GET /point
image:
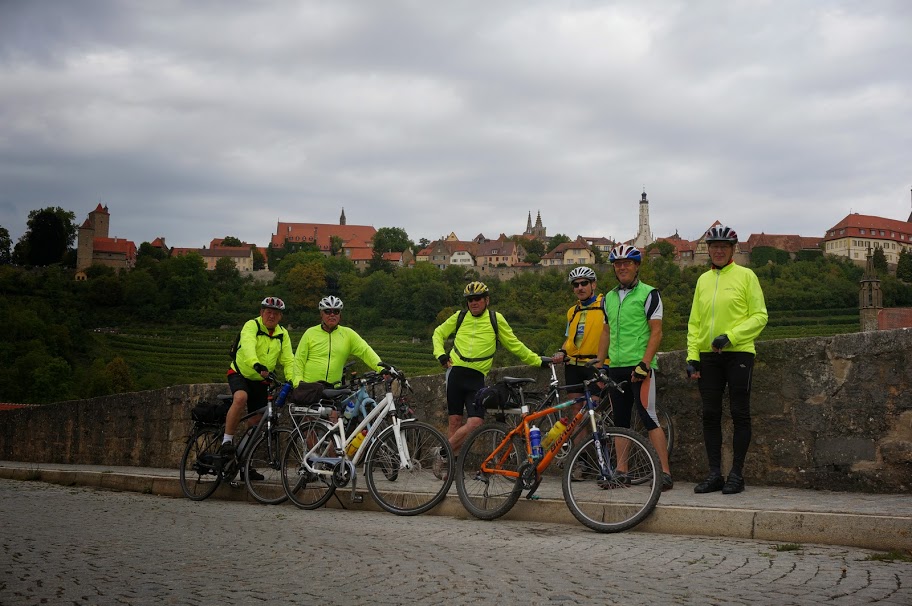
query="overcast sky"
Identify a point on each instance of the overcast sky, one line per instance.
(194, 120)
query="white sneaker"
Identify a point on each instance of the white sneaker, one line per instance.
(439, 465)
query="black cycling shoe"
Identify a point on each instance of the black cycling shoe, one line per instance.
(227, 451)
(713, 483)
(734, 484)
(254, 475)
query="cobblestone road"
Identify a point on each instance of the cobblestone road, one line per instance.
(81, 546)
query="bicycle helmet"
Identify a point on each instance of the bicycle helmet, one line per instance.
(273, 303)
(625, 251)
(721, 233)
(330, 302)
(474, 289)
(581, 273)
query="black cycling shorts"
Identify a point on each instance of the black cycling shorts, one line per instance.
(257, 391)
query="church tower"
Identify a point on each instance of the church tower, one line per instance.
(644, 234)
(342, 217)
(870, 298)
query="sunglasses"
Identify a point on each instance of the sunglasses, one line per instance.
(332, 312)
(581, 284)
(474, 298)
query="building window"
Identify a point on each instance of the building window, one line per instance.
(881, 232)
(862, 232)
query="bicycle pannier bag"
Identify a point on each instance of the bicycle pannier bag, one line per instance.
(212, 413)
(495, 396)
(307, 393)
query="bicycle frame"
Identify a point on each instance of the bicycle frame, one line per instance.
(502, 452)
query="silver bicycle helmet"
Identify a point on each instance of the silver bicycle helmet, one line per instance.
(330, 302)
(581, 273)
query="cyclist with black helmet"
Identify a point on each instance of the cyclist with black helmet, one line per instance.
(471, 359)
(728, 314)
(262, 344)
(325, 348)
(631, 338)
(585, 321)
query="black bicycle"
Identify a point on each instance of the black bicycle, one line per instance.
(258, 459)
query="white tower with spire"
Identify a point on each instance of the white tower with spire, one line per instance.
(644, 234)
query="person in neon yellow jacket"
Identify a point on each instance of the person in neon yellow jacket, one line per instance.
(728, 314)
(325, 348)
(262, 344)
(471, 359)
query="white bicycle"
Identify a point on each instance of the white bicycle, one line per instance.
(398, 454)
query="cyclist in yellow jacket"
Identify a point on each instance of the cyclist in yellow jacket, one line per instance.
(728, 314)
(471, 360)
(585, 321)
(263, 343)
(325, 348)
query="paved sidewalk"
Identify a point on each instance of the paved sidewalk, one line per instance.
(787, 515)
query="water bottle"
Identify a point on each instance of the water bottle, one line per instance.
(535, 439)
(554, 433)
(349, 410)
(283, 395)
(353, 446)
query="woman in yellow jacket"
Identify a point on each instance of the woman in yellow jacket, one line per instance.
(727, 315)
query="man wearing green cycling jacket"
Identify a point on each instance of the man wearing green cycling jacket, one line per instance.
(471, 359)
(324, 349)
(728, 314)
(263, 343)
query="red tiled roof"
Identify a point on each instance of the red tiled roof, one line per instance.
(353, 236)
(856, 221)
(115, 245)
(789, 243)
(101, 209)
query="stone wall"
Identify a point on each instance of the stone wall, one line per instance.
(831, 413)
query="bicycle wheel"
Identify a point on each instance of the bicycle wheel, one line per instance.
(664, 422)
(620, 500)
(265, 459)
(200, 466)
(413, 488)
(489, 495)
(304, 488)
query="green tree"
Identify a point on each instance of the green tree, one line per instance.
(226, 271)
(378, 263)
(185, 282)
(423, 243)
(391, 239)
(6, 245)
(556, 240)
(763, 255)
(291, 260)
(231, 241)
(259, 261)
(880, 262)
(49, 234)
(335, 245)
(306, 283)
(904, 266)
(666, 249)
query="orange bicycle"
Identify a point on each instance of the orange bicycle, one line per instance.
(611, 480)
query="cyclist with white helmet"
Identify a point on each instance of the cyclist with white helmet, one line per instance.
(325, 348)
(477, 333)
(631, 338)
(585, 321)
(261, 345)
(727, 315)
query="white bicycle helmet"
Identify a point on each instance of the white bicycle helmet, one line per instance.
(272, 303)
(721, 233)
(581, 273)
(625, 251)
(330, 302)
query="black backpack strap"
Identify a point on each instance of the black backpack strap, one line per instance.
(493, 317)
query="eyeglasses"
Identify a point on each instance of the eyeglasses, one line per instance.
(624, 262)
(332, 312)
(474, 298)
(581, 284)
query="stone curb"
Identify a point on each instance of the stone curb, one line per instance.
(880, 532)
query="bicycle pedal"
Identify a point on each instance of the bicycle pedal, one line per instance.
(533, 497)
(357, 498)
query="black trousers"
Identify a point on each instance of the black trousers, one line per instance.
(734, 369)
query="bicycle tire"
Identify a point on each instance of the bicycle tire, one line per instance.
(617, 503)
(305, 489)
(488, 496)
(200, 473)
(414, 489)
(266, 458)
